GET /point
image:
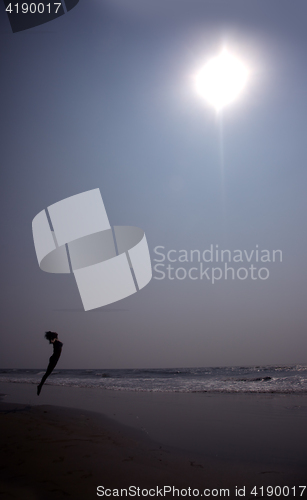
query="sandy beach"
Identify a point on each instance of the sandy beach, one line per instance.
(214, 445)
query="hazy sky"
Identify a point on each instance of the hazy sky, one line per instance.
(103, 97)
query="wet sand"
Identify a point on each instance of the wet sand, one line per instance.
(192, 441)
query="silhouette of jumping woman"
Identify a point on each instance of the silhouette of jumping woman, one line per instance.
(57, 349)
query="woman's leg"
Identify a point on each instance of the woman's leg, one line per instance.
(52, 363)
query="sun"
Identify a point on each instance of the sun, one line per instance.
(222, 80)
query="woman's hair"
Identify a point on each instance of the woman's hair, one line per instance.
(51, 336)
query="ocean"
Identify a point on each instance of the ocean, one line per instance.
(283, 379)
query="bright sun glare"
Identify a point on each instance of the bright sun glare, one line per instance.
(221, 80)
